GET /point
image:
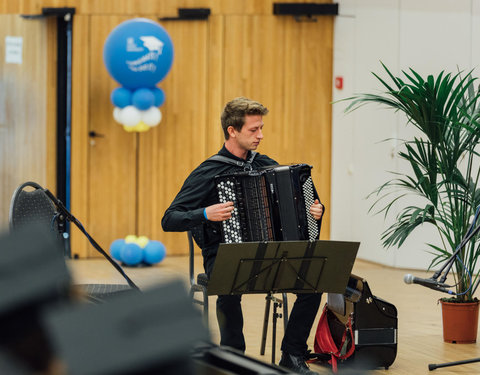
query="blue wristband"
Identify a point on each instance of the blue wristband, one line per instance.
(205, 213)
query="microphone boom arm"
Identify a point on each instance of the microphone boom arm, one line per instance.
(73, 219)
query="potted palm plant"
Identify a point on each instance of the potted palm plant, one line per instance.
(443, 171)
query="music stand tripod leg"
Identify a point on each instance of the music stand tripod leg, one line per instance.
(285, 312)
(277, 303)
(265, 323)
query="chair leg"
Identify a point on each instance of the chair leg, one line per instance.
(204, 302)
(265, 323)
(205, 307)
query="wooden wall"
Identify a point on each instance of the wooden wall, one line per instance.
(164, 8)
(27, 109)
(123, 182)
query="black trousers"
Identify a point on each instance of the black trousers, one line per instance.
(302, 316)
(300, 322)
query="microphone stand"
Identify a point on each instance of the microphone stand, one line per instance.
(68, 216)
(448, 265)
(451, 260)
(433, 366)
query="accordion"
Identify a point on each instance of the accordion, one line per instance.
(272, 204)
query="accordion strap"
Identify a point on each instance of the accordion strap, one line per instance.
(246, 165)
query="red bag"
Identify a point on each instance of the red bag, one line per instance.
(325, 343)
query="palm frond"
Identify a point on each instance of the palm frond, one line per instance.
(446, 110)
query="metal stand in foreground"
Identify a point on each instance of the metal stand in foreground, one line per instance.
(433, 366)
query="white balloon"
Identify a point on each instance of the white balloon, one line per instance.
(117, 114)
(152, 116)
(130, 116)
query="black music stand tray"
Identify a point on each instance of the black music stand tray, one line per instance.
(282, 267)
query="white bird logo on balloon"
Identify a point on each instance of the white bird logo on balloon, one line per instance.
(152, 43)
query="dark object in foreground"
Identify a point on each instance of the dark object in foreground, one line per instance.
(152, 332)
(212, 359)
(33, 275)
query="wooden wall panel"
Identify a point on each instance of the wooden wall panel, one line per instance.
(123, 182)
(25, 134)
(308, 96)
(272, 59)
(254, 67)
(170, 151)
(287, 66)
(216, 83)
(112, 160)
(145, 7)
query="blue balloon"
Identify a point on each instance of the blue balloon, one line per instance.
(159, 96)
(115, 249)
(121, 97)
(138, 53)
(131, 254)
(154, 252)
(143, 99)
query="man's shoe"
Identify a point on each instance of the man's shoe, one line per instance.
(296, 364)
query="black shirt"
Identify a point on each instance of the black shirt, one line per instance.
(197, 193)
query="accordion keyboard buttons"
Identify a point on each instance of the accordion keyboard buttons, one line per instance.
(309, 200)
(231, 227)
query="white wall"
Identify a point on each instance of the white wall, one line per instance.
(428, 36)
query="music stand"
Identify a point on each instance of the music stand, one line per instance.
(282, 267)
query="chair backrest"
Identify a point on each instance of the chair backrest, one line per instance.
(31, 205)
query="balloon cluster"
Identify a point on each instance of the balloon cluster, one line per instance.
(133, 250)
(137, 110)
(138, 54)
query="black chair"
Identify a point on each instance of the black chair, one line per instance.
(200, 285)
(32, 204)
(34, 207)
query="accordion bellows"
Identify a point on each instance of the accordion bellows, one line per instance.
(271, 204)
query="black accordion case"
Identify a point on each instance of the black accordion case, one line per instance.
(271, 204)
(374, 323)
